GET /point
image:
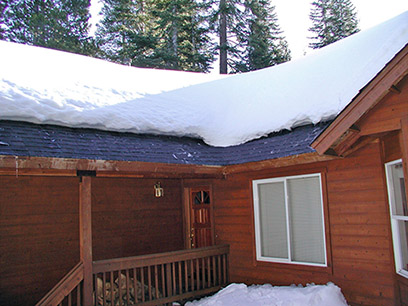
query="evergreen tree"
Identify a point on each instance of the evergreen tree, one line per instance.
(332, 20)
(124, 34)
(229, 19)
(183, 33)
(57, 24)
(2, 19)
(169, 34)
(264, 45)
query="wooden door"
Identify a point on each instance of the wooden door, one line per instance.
(201, 233)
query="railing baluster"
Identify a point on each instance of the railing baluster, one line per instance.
(208, 273)
(224, 267)
(168, 280)
(186, 276)
(163, 282)
(214, 270)
(78, 294)
(135, 285)
(219, 269)
(120, 287)
(197, 273)
(104, 288)
(112, 288)
(149, 281)
(156, 281)
(203, 272)
(143, 284)
(127, 287)
(95, 285)
(180, 278)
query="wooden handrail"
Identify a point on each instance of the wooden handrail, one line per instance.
(66, 285)
(156, 259)
(158, 279)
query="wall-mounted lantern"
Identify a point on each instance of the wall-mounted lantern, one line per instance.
(158, 190)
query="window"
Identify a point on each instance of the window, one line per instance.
(289, 223)
(399, 214)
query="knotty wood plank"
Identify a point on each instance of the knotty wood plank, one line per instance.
(85, 236)
(41, 165)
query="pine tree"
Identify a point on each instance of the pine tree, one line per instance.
(123, 33)
(229, 19)
(169, 34)
(264, 44)
(3, 5)
(332, 20)
(58, 24)
(183, 34)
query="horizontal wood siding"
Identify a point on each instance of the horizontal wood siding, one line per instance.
(128, 220)
(386, 116)
(361, 260)
(38, 235)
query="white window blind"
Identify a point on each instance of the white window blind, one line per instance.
(399, 214)
(289, 220)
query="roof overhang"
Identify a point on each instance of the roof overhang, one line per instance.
(342, 136)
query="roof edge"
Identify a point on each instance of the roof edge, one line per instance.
(367, 98)
(287, 161)
(54, 166)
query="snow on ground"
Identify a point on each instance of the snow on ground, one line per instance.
(256, 295)
(45, 86)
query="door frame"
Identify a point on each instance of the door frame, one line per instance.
(187, 210)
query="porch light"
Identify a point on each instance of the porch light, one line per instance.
(158, 190)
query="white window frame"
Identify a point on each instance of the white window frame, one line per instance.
(258, 242)
(396, 237)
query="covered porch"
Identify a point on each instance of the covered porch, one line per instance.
(121, 244)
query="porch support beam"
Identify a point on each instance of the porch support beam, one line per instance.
(404, 150)
(85, 236)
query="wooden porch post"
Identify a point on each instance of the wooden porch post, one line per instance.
(85, 236)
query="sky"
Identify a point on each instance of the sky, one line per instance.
(293, 16)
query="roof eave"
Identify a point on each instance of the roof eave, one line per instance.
(367, 98)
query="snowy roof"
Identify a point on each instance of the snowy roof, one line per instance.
(45, 86)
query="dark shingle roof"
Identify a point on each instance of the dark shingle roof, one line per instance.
(28, 139)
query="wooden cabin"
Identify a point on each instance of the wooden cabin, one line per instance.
(164, 218)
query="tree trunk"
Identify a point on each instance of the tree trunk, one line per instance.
(223, 38)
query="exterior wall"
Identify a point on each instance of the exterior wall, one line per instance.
(128, 220)
(38, 235)
(358, 228)
(392, 151)
(387, 114)
(39, 228)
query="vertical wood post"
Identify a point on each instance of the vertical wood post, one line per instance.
(169, 282)
(404, 149)
(85, 236)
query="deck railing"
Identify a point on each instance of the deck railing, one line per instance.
(160, 278)
(68, 291)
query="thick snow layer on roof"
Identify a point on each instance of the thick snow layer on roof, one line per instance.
(45, 86)
(241, 295)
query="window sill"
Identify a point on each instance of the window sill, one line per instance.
(294, 266)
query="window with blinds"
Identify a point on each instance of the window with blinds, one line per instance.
(399, 214)
(289, 224)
